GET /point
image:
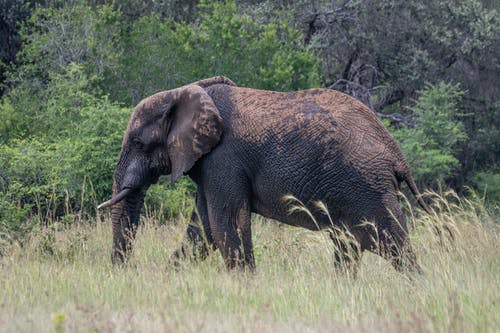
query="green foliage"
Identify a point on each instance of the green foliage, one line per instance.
(488, 183)
(65, 160)
(80, 61)
(9, 126)
(430, 145)
(13, 213)
(177, 10)
(77, 33)
(12, 12)
(66, 51)
(164, 54)
(483, 149)
(165, 203)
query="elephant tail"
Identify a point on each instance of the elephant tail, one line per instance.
(408, 179)
(439, 228)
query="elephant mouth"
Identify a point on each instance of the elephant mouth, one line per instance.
(117, 198)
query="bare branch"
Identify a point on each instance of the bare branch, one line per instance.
(389, 99)
(364, 94)
(398, 119)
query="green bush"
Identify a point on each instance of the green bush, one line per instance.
(66, 162)
(164, 54)
(430, 145)
(164, 202)
(56, 36)
(66, 51)
(488, 185)
(13, 212)
(62, 177)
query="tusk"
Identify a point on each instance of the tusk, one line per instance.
(117, 198)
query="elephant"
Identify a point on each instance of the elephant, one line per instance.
(247, 150)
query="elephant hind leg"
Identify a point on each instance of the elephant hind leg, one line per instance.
(397, 249)
(199, 236)
(394, 242)
(243, 224)
(386, 234)
(198, 243)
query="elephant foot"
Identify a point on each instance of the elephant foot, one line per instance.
(240, 265)
(119, 257)
(347, 253)
(347, 267)
(401, 257)
(407, 264)
(176, 258)
(188, 252)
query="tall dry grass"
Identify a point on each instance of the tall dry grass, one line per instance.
(61, 280)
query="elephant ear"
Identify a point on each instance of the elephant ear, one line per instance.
(195, 128)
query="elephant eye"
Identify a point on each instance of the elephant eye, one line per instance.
(137, 143)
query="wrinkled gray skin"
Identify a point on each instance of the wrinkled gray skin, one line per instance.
(246, 149)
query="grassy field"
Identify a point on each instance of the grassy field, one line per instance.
(61, 280)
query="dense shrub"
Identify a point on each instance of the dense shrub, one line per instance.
(65, 158)
(431, 145)
(488, 184)
(164, 203)
(164, 54)
(56, 36)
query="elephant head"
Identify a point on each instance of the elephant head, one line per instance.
(167, 133)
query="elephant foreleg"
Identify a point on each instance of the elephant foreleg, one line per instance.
(232, 233)
(123, 239)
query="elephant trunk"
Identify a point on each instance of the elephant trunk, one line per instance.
(125, 219)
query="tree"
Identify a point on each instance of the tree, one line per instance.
(431, 145)
(12, 12)
(165, 54)
(383, 52)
